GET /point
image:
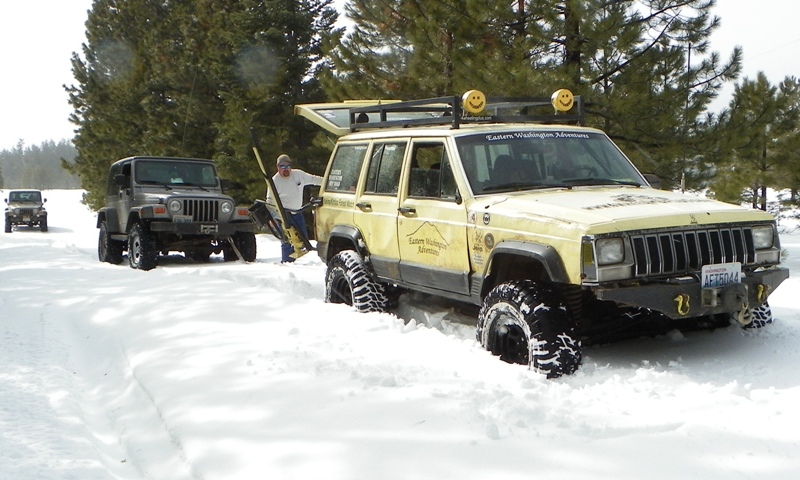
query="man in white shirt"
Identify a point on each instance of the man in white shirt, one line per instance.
(289, 184)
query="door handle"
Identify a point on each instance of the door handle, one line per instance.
(407, 210)
(364, 206)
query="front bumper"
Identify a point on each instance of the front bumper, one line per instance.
(216, 230)
(25, 219)
(688, 299)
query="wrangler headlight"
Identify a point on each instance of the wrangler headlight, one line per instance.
(226, 207)
(609, 251)
(175, 206)
(762, 237)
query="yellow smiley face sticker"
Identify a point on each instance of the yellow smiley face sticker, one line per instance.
(562, 100)
(474, 101)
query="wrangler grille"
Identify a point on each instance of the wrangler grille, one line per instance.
(29, 212)
(670, 253)
(201, 210)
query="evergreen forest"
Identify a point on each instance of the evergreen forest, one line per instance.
(40, 167)
(192, 78)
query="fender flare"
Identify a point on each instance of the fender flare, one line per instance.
(350, 234)
(544, 254)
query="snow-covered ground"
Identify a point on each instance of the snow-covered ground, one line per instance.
(241, 371)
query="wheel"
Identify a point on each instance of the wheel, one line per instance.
(348, 281)
(108, 250)
(246, 243)
(8, 225)
(43, 225)
(761, 316)
(142, 251)
(527, 323)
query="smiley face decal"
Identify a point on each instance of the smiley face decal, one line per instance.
(562, 100)
(474, 101)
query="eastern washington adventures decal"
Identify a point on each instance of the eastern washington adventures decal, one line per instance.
(493, 137)
(428, 240)
(628, 200)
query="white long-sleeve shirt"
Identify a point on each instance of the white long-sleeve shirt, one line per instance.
(290, 189)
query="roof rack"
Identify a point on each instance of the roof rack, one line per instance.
(450, 110)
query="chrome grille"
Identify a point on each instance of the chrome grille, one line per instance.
(671, 253)
(201, 210)
(28, 212)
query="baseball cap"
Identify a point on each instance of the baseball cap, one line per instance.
(283, 159)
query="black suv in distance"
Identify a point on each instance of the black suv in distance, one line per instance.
(159, 204)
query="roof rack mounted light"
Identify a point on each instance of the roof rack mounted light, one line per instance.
(451, 111)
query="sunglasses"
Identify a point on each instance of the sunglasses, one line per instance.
(284, 167)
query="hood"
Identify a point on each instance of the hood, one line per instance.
(603, 210)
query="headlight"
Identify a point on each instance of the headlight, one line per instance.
(610, 251)
(762, 237)
(175, 206)
(16, 211)
(226, 207)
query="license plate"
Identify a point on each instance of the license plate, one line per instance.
(721, 274)
(182, 219)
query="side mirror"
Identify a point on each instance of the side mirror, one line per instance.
(121, 180)
(653, 180)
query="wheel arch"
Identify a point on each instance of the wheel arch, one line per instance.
(108, 215)
(133, 218)
(515, 260)
(345, 237)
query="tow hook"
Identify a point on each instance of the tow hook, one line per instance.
(744, 316)
(762, 292)
(683, 304)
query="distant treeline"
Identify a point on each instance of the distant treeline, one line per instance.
(39, 167)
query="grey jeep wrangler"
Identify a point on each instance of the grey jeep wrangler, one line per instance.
(26, 207)
(155, 205)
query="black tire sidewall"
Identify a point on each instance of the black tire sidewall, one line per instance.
(142, 253)
(366, 294)
(539, 311)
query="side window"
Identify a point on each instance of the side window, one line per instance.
(383, 176)
(111, 187)
(449, 188)
(345, 168)
(430, 174)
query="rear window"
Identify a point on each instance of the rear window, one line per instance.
(345, 168)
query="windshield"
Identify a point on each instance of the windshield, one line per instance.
(31, 197)
(174, 172)
(525, 160)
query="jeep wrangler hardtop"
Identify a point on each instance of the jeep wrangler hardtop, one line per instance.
(25, 207)
(543, 224)
(155, 205)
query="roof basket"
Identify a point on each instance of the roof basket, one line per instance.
(451, 111)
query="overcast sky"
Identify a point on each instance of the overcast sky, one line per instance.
(39, 36)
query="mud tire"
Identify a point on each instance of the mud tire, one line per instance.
(108, 250)
(762, 316)
(142, 251)
(348, 280)
(527, 323)
(246, 243)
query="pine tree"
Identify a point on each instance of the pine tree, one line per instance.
(761, 125)
(190, 78)
(630, 59)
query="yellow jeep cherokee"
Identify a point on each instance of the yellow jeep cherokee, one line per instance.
(548, 227)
